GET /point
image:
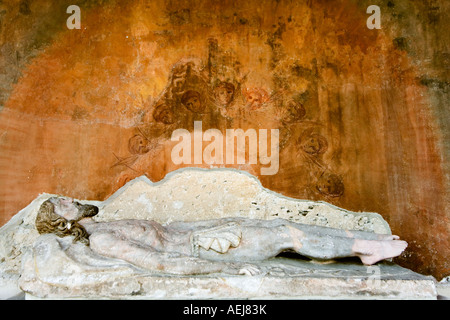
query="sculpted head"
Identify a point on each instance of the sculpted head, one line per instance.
(60, 215)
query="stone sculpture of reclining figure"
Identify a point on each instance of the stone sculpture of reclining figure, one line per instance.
(228, 245)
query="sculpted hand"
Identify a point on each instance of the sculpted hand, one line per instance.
(249, 270)
(242, 269)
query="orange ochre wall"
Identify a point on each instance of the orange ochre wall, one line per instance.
(361, 113)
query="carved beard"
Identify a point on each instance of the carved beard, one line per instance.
(77, 230)
(86, 210)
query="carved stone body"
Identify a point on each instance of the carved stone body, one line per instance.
(202, 247)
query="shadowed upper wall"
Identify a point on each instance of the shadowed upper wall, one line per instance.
(361, 113)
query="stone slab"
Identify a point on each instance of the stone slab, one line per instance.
(56, 268)
(305, 280)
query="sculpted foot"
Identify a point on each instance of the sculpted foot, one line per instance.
(372, 251)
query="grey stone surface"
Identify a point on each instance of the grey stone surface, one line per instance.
(95, 277)
(443, 288)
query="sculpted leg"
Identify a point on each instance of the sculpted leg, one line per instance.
(320, 246)
(354, 234)
(263, 239)
(257, 242)
(325, 245)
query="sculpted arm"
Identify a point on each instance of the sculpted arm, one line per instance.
(107, 244)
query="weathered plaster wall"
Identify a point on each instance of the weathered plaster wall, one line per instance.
(363, 114)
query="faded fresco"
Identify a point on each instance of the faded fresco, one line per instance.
(215, 93)
(354, 116)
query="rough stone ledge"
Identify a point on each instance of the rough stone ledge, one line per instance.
(288, 279)
(225, 192)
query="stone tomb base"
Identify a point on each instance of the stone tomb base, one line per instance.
(306, 281)
(95, 277)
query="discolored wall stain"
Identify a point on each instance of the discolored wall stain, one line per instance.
(361, 113)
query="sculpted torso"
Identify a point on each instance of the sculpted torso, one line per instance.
(230, 239)
(146, 233)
